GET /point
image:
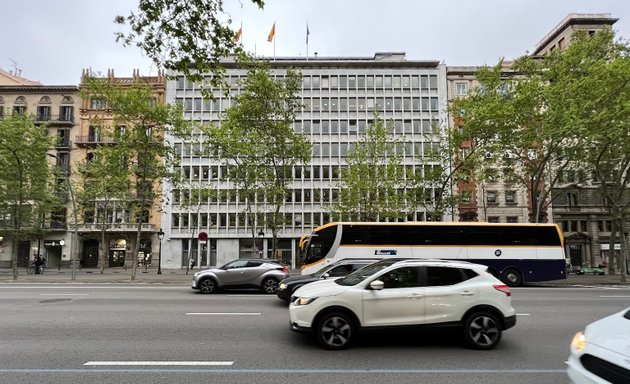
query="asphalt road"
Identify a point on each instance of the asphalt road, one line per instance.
(124, 333)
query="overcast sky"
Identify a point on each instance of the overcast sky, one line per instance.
(51, 41)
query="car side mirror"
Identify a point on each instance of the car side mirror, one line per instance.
(325, 276)
(377, 285)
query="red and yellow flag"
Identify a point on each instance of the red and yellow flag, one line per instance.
(272, 33)
(238, 34)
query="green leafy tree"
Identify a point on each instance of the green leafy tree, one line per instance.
(104, 189)
(26, 186)
(140, 152)
(186, 36)
(257, 144)
(603, 120)
(373, 184)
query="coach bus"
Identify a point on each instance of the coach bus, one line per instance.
(515, 253)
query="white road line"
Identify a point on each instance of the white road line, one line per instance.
(223, 313)
(615, 297)
(157, 363)
(523, 314)
(64, 294)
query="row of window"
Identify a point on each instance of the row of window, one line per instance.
(326, 104)
(583, 225)
(492, 197)
(311, 172)
(193, 221)
(44, 112)
(353, 126)
(350, 82)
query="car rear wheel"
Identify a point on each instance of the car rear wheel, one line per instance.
(207, 285)
(335, 331)
(270, 285)
(512, 277)
(482, 330)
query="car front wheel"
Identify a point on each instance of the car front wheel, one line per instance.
(482, 330)
(335, 331)
(207, 285)
(270, 285)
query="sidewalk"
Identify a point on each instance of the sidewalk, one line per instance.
(179, 276)
(109, 276)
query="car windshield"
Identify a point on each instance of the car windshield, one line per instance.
(358, 276)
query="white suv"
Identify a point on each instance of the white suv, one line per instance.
(395, 292)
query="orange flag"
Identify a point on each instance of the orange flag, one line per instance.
(272, 33)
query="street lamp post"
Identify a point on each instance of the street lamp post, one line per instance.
(75, 234)
(160, 236)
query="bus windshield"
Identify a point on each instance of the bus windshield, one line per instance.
(319, 244)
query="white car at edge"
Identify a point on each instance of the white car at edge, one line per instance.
(600, 354)
(401, 293)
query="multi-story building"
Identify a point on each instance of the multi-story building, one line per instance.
(579, 208)
(116, 219)
(339, 95)
(56, 108)
(492, 198)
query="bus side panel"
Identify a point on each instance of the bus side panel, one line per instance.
(440, 252)
(373, 251)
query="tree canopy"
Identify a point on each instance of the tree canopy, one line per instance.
(372, 185)
(186, 36)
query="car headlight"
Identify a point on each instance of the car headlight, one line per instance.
(304, 300)
(578, 343)
(282, 286)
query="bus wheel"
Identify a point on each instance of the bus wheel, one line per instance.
(512, 277)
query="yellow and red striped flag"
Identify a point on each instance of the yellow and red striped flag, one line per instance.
(272, 33)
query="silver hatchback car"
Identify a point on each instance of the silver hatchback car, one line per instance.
(264, 274)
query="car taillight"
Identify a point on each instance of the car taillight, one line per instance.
(503, 288)
(285, 269)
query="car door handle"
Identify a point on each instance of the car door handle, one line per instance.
(467, 293)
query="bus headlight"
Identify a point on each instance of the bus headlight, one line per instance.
(304, 300)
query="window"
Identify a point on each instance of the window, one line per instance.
(512, 219)
(441, 276)
(43, 113)
(572, 199)
(510, 197)
(461, 89)
(491, 197)
(97, 103)
(493, 219)
(66, 113)
(405, 277)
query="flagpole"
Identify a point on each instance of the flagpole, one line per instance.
(274, 44)
(307, 33)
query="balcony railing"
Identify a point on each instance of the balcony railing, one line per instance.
(56, 119)
(93, 140)
(115, 227)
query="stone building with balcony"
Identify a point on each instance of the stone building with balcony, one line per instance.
(116, 219)
(56, 108)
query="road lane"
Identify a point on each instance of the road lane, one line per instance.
(55, 339)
